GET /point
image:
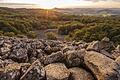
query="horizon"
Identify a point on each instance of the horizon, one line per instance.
(50, 4)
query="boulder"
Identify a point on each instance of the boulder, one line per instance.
(74, 58)
(106, 54)
(41, 55)
(118, 61)
(19, 55)
(80, 74)
(34, 72)
(116, 52)
(118, 48)
(37, 45)
(105, 39)
(53, 43)
(10, 72)
(101, 66)
(24, 68)
(2, 63)
(55, 49)
(48, 50)
(93, 46)
(106, 44)
(54, 57)
(67, 48)
(57, 71)
(5, 51)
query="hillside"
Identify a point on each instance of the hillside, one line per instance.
(89, 11)
(21, 22)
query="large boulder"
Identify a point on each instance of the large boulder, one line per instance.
(34, 72)
(19, 55)
(80, 74)
(54, 57)
(10, 72)
(57, 71)
(74, 58)
(102, 67)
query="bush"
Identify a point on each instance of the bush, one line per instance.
(98, 32)
(51, 36)
(69, 27)
(21, 36)
(1, 33)
(67, 38)
(10, 34)
(31, 34)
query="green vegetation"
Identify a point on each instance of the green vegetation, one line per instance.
(51, 36)
(65, 29)
(23, 22)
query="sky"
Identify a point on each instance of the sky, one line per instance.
(48, 4)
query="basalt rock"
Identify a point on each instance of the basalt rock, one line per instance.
(54, 57)
(34, 72)
(10, 72)
(19, 55)
(75, 58)
(37, 59)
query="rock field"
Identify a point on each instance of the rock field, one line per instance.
(37, 59)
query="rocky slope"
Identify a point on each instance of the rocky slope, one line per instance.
(34, 59)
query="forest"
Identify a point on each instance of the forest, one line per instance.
(23, 22)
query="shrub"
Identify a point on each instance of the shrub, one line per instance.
(21, 36)
(10, 34)
(1, 33)
(51, 36)
(31, 34)
(67, 38)
(69, 27)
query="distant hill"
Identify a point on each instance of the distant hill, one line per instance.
(89, 11)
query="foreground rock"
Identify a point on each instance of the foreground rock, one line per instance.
(57, 71)
(34, 59)
(75, 58)
(34, 72)
(19, 55)
(54, 57)
(102, 67)
(80, 74)
(10, 72)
